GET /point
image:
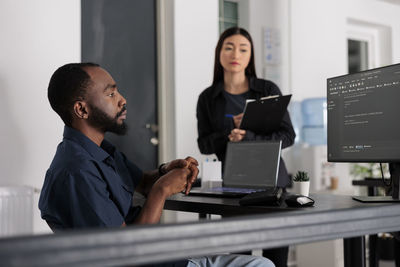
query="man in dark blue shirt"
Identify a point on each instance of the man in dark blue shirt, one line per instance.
(89, 182)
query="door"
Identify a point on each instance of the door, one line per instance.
(120, 35)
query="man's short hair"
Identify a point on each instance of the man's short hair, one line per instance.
(67, 85)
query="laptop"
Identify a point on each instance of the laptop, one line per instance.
(250, 166)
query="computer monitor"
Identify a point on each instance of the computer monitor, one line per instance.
(364, 120)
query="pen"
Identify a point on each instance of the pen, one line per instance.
(228, 115)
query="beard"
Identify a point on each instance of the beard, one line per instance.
(100, 120)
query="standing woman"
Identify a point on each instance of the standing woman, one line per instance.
(220, 107)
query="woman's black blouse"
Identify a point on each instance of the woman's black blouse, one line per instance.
(213, 134)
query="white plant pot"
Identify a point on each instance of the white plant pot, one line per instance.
(302, 188)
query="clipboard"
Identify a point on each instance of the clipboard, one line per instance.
(264, 116)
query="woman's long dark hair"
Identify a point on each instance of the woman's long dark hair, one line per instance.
(218, 69)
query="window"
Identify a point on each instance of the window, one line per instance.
(228, 15)
(369, 45)
(358, 55)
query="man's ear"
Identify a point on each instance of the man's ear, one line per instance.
(81, 110)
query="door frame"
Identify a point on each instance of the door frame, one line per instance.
(166, 81)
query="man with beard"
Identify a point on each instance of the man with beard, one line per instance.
(89, 182)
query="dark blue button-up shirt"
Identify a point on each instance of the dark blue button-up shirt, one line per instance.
(87, 185)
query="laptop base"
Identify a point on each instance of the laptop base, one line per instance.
(229, 192)
(209, 193)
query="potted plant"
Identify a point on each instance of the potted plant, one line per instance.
(301, 183)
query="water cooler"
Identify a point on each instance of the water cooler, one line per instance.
(309, 153)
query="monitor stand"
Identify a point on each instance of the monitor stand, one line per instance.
(394, 169)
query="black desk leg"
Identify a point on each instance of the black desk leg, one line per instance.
(205, 216)
(373, 251)
(354, 252)
(396, 252)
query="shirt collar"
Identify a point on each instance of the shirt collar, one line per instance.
(99, 153)
(219, 87)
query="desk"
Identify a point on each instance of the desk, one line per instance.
(332, 217)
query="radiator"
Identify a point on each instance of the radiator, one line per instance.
(16, 210)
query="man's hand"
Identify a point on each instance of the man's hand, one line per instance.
(237, 120)
(236, 135)
(188, 163)
(179, 175)
(173, 182)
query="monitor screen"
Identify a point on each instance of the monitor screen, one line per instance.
(364, 116)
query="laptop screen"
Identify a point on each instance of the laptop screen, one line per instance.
(252, 164)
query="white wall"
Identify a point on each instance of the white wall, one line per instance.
(313, 38)
(195, 25)
(319, 48)
(258, 15)
(196, 35)
(36, 37)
